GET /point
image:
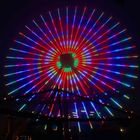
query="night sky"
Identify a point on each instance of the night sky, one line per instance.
(14, 14)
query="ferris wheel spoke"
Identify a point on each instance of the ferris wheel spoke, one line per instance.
(81, 84)
(108, 31)
(118, 65)
(93, 83)
(59, 40)
(89, 31)
(49, 30)
(112, 51)
(73, 24)
(32, 40)
(61, 27)
(45, 34)
(67, 27)
(79, 26)
(100, 28)
(115, 58)
(24, 85)
(100, 81)
(24, 71)
(117, 72)
(112, 79)
(108, 38)
(31, 47)
(33, 32)
(85, 27)
(92, 43)
(51, 75)
(110, 45)
(25, 52)
(22, 65)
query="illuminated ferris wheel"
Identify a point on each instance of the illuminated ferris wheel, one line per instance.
(80, 51)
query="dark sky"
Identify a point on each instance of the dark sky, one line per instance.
(15, 13)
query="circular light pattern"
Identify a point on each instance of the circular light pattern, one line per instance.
(77, 50)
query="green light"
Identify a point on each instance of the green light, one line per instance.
(59, 65)
(73, 54)
(67, 69)
(76, 62)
